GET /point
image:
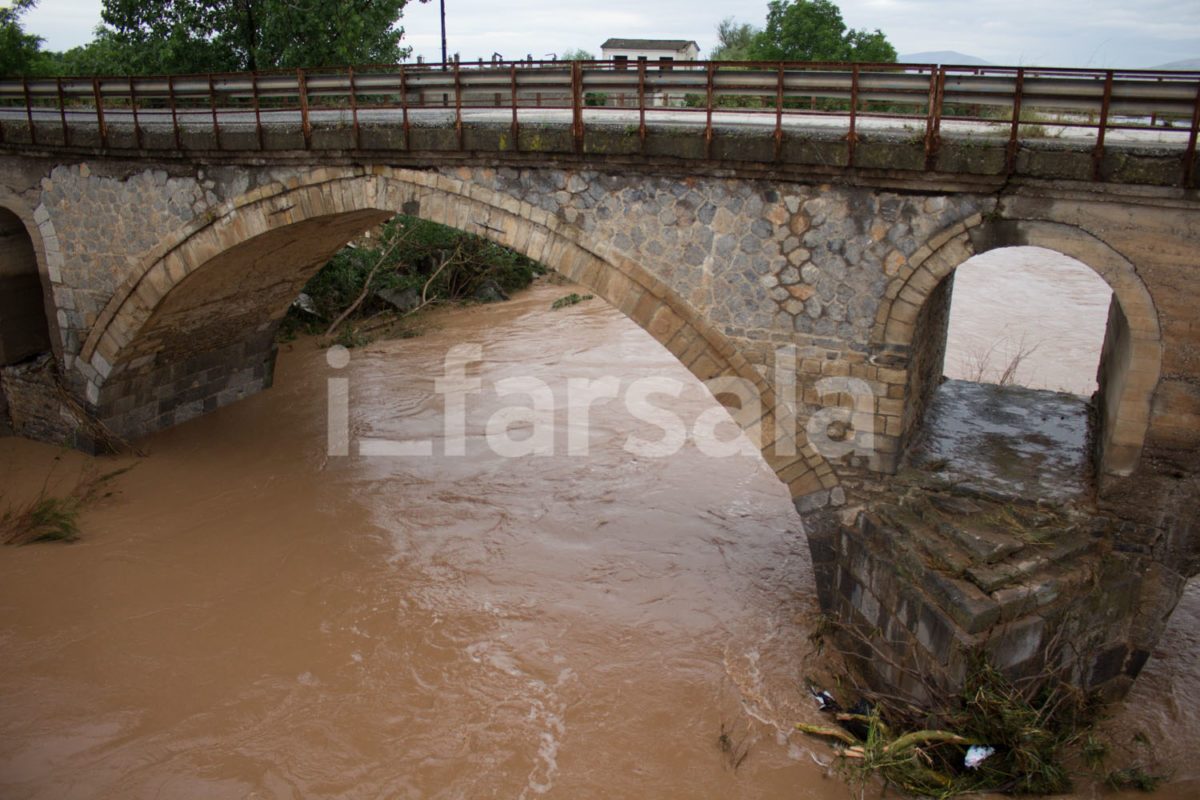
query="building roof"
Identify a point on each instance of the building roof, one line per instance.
(648, 44)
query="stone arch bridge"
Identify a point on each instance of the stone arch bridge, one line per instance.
(156, 279)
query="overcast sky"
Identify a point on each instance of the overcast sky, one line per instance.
(1070, 33)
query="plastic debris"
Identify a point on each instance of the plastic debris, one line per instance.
(825, 701)
(977, 754)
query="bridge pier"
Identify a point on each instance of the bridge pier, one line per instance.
(919, 588)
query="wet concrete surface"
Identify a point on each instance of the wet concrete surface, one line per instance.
(1006, 441)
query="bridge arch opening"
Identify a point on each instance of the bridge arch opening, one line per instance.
(1024, 334)
(1129, 346)
(193, 329)
(24, 331)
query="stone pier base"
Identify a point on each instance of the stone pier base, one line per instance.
(923, 584)
(33, 405)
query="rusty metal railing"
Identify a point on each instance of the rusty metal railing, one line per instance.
(1017, 104)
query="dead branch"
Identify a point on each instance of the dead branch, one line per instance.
(366, 284)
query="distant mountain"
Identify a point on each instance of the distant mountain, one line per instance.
(1187, 63)
(945, 57)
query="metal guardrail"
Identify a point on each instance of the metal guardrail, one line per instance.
(1016, 101)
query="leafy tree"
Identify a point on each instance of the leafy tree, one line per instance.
(813, 30)
(101, 56)
(174, 36)
(19, 51)
(734, 42)
(578, 54)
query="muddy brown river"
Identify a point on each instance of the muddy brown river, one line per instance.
(247, 616)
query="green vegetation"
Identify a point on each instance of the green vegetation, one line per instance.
(53, 518)
(569, 300)
(198, 36)
(1033, 729)
(734, 42)
(813, 30)
(577, 54)
(19, 51)
(411, 265)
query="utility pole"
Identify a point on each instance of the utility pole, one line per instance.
(443, 4)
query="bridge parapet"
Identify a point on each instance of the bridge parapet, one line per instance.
(1110, 125)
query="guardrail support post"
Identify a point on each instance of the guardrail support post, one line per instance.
(305, 122)
(708, 112)
(852, 136)
(62, 113)
(354, 112)
(577, 106)
(642, 103)
(100, 112)
(1189, 157)
(1014, 144)
(516, 127)
(137, 129)
(458, 126)
(779, 116)
(1098, 151)
(29, 111)
(933, 123)
(212, 104)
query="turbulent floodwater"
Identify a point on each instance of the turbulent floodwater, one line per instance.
(249, 617)
(1032, 308)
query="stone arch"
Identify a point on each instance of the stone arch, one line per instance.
(121, 358)
(1131, 358)
(27, 308)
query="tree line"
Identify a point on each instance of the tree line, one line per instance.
(140, 37)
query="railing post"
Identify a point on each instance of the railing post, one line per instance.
(708, 114)
(516, 128)
(779, 115)
(305, 123)
(137, 129)
(404, 107)
(212, 105)
(1098, 152)
(1189, 157)
(354, 111)
(258, 126)
(29, 111)
(577, 105)
(458, 125)
(62, 113)
(1014, 144)
(933, 123)
(642, 103)
(100, 112)
(852, 136)
(174, 112)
